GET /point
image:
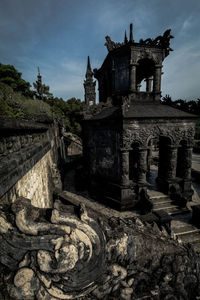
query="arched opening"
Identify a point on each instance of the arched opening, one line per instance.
(133, 161)
(163, 164)
(145, 72)
(141, 87)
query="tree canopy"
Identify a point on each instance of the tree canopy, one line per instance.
(17, 100)
(10, 76)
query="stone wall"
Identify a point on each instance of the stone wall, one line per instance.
(29, 155)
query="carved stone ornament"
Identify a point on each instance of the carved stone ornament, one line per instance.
(92, 110)
(143, 135)
(50, 258)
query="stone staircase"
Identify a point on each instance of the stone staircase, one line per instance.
(181, 225)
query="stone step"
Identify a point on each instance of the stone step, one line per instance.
(178, 211)
(161, 201)
(163, 205)
(187, 229)
(163, 197)
(168, 208)
(190, 237)
(156, 194)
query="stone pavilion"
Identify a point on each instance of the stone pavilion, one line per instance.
(120, 131)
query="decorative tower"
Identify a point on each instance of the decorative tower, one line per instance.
(39, 85)
(89, 86)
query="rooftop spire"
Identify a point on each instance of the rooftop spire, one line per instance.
(39, 85)
(89, 70)
(131, 33)
(89, 85)
(125, 38)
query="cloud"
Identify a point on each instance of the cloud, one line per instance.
(59, 35)
(181, 72)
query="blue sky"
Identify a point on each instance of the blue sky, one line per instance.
(58, 35)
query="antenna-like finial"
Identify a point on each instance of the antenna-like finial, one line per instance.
(131, 33)
(125, 38)
(38, 71)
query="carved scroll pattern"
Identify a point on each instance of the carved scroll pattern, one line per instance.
(51, 259)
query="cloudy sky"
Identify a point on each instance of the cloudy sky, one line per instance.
(58, 35)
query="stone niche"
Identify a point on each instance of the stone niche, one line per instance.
(118, 133)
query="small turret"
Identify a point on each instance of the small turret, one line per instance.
(89, 85)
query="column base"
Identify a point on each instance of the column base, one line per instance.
(115, 195)
(165, 185)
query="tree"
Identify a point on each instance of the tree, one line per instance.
(10, 76)
(167, 100)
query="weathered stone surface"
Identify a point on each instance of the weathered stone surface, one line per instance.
(73, 256)
(28, 161)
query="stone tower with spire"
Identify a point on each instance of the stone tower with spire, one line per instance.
(89, 86)
(39, 85)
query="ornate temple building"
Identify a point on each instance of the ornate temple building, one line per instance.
(120, 131)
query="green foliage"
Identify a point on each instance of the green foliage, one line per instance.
(192, 106)
(45, 91)
(167, 100)
(10, 76)
(68, 111)
(16, 102)
(15, 105)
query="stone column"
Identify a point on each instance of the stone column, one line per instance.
(149, 157)
(171, 162)
(132, 77)
(125, 167)
(149, 84)
(157, 79)
(142, 165)
(187, 163)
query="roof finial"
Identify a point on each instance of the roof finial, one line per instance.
(88, 65)
(131, 33)
(38, 71)
(125, 38)
(89, 70)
